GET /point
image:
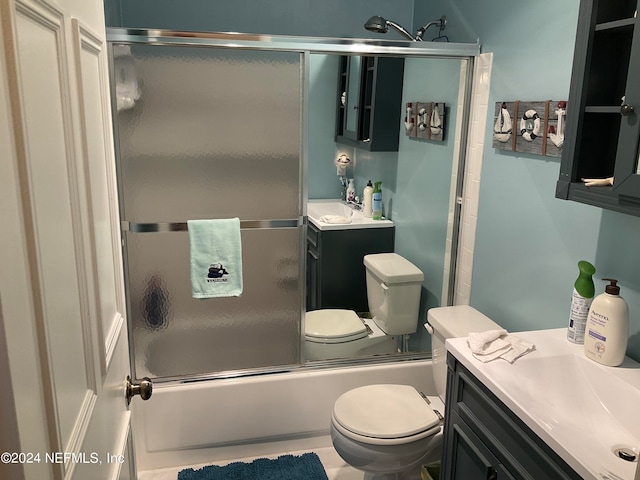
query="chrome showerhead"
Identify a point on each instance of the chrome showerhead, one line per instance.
(379, 24)
(376, 24)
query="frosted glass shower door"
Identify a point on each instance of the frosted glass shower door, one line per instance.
(206, 133)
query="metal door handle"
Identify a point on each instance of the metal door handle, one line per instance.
(144, 388)
(626, 109)
(492, 474)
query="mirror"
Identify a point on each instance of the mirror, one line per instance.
(418, 180)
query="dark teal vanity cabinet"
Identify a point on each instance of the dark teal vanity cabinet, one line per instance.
(603, 126)
(369, 104)
(335, 269)
(483, 439)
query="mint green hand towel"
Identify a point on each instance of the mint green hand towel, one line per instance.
(216, 258)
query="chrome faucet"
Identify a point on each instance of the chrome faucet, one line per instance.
(343, 192)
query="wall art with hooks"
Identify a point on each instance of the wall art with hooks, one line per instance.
(428, 120)
(532, 127)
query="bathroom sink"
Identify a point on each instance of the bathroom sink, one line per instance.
(584, 411)
(353, 218)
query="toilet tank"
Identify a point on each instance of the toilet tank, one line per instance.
(452, 322)
(393, 292)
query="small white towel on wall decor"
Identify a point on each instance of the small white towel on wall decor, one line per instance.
(493, 344)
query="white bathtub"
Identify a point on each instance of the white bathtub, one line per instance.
(187, 424)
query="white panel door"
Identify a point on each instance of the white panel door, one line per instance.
(61, 286)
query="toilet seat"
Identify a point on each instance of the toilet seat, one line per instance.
(333, 326)
(384, 415)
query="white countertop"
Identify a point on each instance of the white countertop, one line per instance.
(581, 409)
(316, 209)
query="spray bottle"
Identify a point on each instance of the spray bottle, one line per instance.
(583, 292)
(377, 201)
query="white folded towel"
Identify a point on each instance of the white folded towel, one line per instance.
(334, 219)
(492, 344)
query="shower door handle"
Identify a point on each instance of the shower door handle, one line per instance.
(144, 388)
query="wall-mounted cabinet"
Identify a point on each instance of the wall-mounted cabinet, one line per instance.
(369, 104)
(603, 128)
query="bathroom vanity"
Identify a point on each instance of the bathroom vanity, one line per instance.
(335, 252)
(553, 414)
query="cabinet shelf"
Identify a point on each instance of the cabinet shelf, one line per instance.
(624, 24)
(603, 109)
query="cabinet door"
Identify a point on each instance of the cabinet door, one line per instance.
(627, 169)
(313, 287)
(467, 457)
(352, 100)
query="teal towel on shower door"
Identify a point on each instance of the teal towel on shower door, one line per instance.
(216, 258)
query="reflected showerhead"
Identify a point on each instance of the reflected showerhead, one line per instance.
(376, 24)
(379, 24)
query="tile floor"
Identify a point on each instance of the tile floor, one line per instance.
(335, 467)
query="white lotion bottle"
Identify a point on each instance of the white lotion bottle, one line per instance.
(367, 200)
(607, 329)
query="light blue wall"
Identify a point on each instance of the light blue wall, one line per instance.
(421, 192)
(528, 243)
(328, 18)
(323, 151)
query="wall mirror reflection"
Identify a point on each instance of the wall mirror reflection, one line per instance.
(416, 182)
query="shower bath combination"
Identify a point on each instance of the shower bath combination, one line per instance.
(379, 24)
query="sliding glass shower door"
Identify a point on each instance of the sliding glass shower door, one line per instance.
(209, 133)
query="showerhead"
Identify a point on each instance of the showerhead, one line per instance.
(379, 24)
(376, 24)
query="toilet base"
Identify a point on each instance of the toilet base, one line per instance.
(412, 474)
(399, 462)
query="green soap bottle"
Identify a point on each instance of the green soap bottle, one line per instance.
(377, 201)
(583, 293)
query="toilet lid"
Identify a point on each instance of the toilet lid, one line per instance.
(384, 411)
(333, 326)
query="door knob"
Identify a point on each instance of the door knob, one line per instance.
(144, 388)
(626, 109)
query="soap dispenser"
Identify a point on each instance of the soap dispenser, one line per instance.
(607, 329)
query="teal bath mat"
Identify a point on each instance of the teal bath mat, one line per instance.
(286, 467)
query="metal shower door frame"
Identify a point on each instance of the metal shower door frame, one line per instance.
(305, 46)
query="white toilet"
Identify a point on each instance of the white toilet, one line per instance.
(389, 430)
(393, 294)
